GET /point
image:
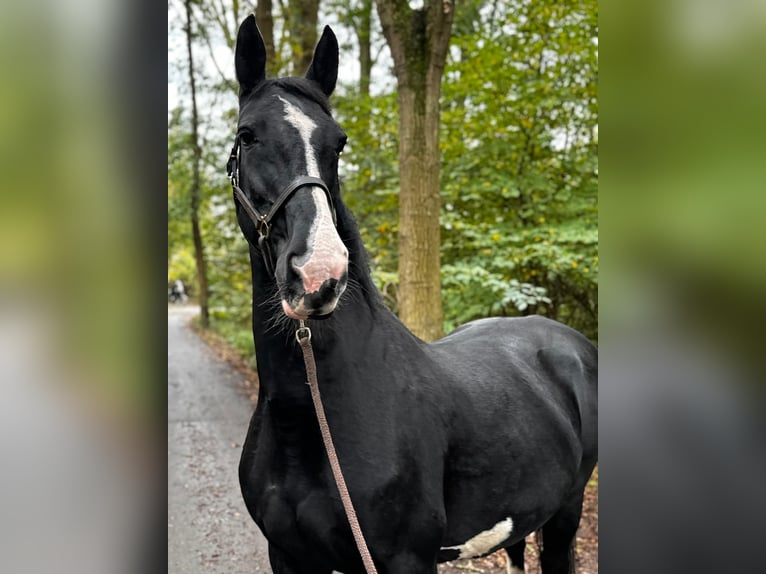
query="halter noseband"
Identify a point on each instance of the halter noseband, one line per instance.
(263, 222)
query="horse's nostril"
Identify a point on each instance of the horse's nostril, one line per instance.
(327, 290)
(325, 295)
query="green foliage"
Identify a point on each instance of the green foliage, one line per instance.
(520, 176)
(236, 332)
(179, 176)
(226, 251)
(181, 265)
(229, 280)
(473, 291)
(369, 175)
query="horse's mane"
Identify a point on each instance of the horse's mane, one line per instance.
(297, 86)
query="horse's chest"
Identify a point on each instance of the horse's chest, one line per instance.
(305, 517)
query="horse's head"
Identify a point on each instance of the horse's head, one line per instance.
(286, 133)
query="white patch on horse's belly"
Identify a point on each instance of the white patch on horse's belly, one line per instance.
(485, 541)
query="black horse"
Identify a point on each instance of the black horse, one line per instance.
(451, 449)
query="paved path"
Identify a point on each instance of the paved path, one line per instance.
(209, 529)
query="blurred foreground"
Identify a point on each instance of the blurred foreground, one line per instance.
(682, 201)
(78, 404)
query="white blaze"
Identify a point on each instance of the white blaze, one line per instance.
(326, 256)
(305, 126)
(485, 541)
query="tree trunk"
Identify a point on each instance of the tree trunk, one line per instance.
(265, 20)
(302, 24)
(196, 187)
(364, 32)
(418, 40)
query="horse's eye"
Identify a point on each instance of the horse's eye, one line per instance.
(341, 145)
(247, 138)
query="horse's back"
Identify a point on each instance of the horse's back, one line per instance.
(550, 347)
(526, 357)
(521, 333)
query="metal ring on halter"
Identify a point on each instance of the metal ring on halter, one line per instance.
(302, 332)
(260, 227)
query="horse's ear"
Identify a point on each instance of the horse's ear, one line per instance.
(250, 56)
(324, 66)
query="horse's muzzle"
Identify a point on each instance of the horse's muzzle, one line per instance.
(318, 304)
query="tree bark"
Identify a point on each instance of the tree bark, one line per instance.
(302, 24)
(196, 186)
(364, 32)
(419, 40)
(265, 20)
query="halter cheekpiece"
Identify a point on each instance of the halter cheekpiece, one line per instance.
(261, 221)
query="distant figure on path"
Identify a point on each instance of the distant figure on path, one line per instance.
(178, 293)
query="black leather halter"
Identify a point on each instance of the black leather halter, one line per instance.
(263, 222)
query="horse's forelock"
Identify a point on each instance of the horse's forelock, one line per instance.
(300, 87)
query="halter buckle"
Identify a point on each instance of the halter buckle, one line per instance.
(263, 224)
(302, 333)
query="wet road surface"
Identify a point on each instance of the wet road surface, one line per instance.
(209, 529)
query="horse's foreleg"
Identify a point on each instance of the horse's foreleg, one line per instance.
(557, 556)
(282, 563)
(408, 564)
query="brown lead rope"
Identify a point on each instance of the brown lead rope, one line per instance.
(303, 335)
